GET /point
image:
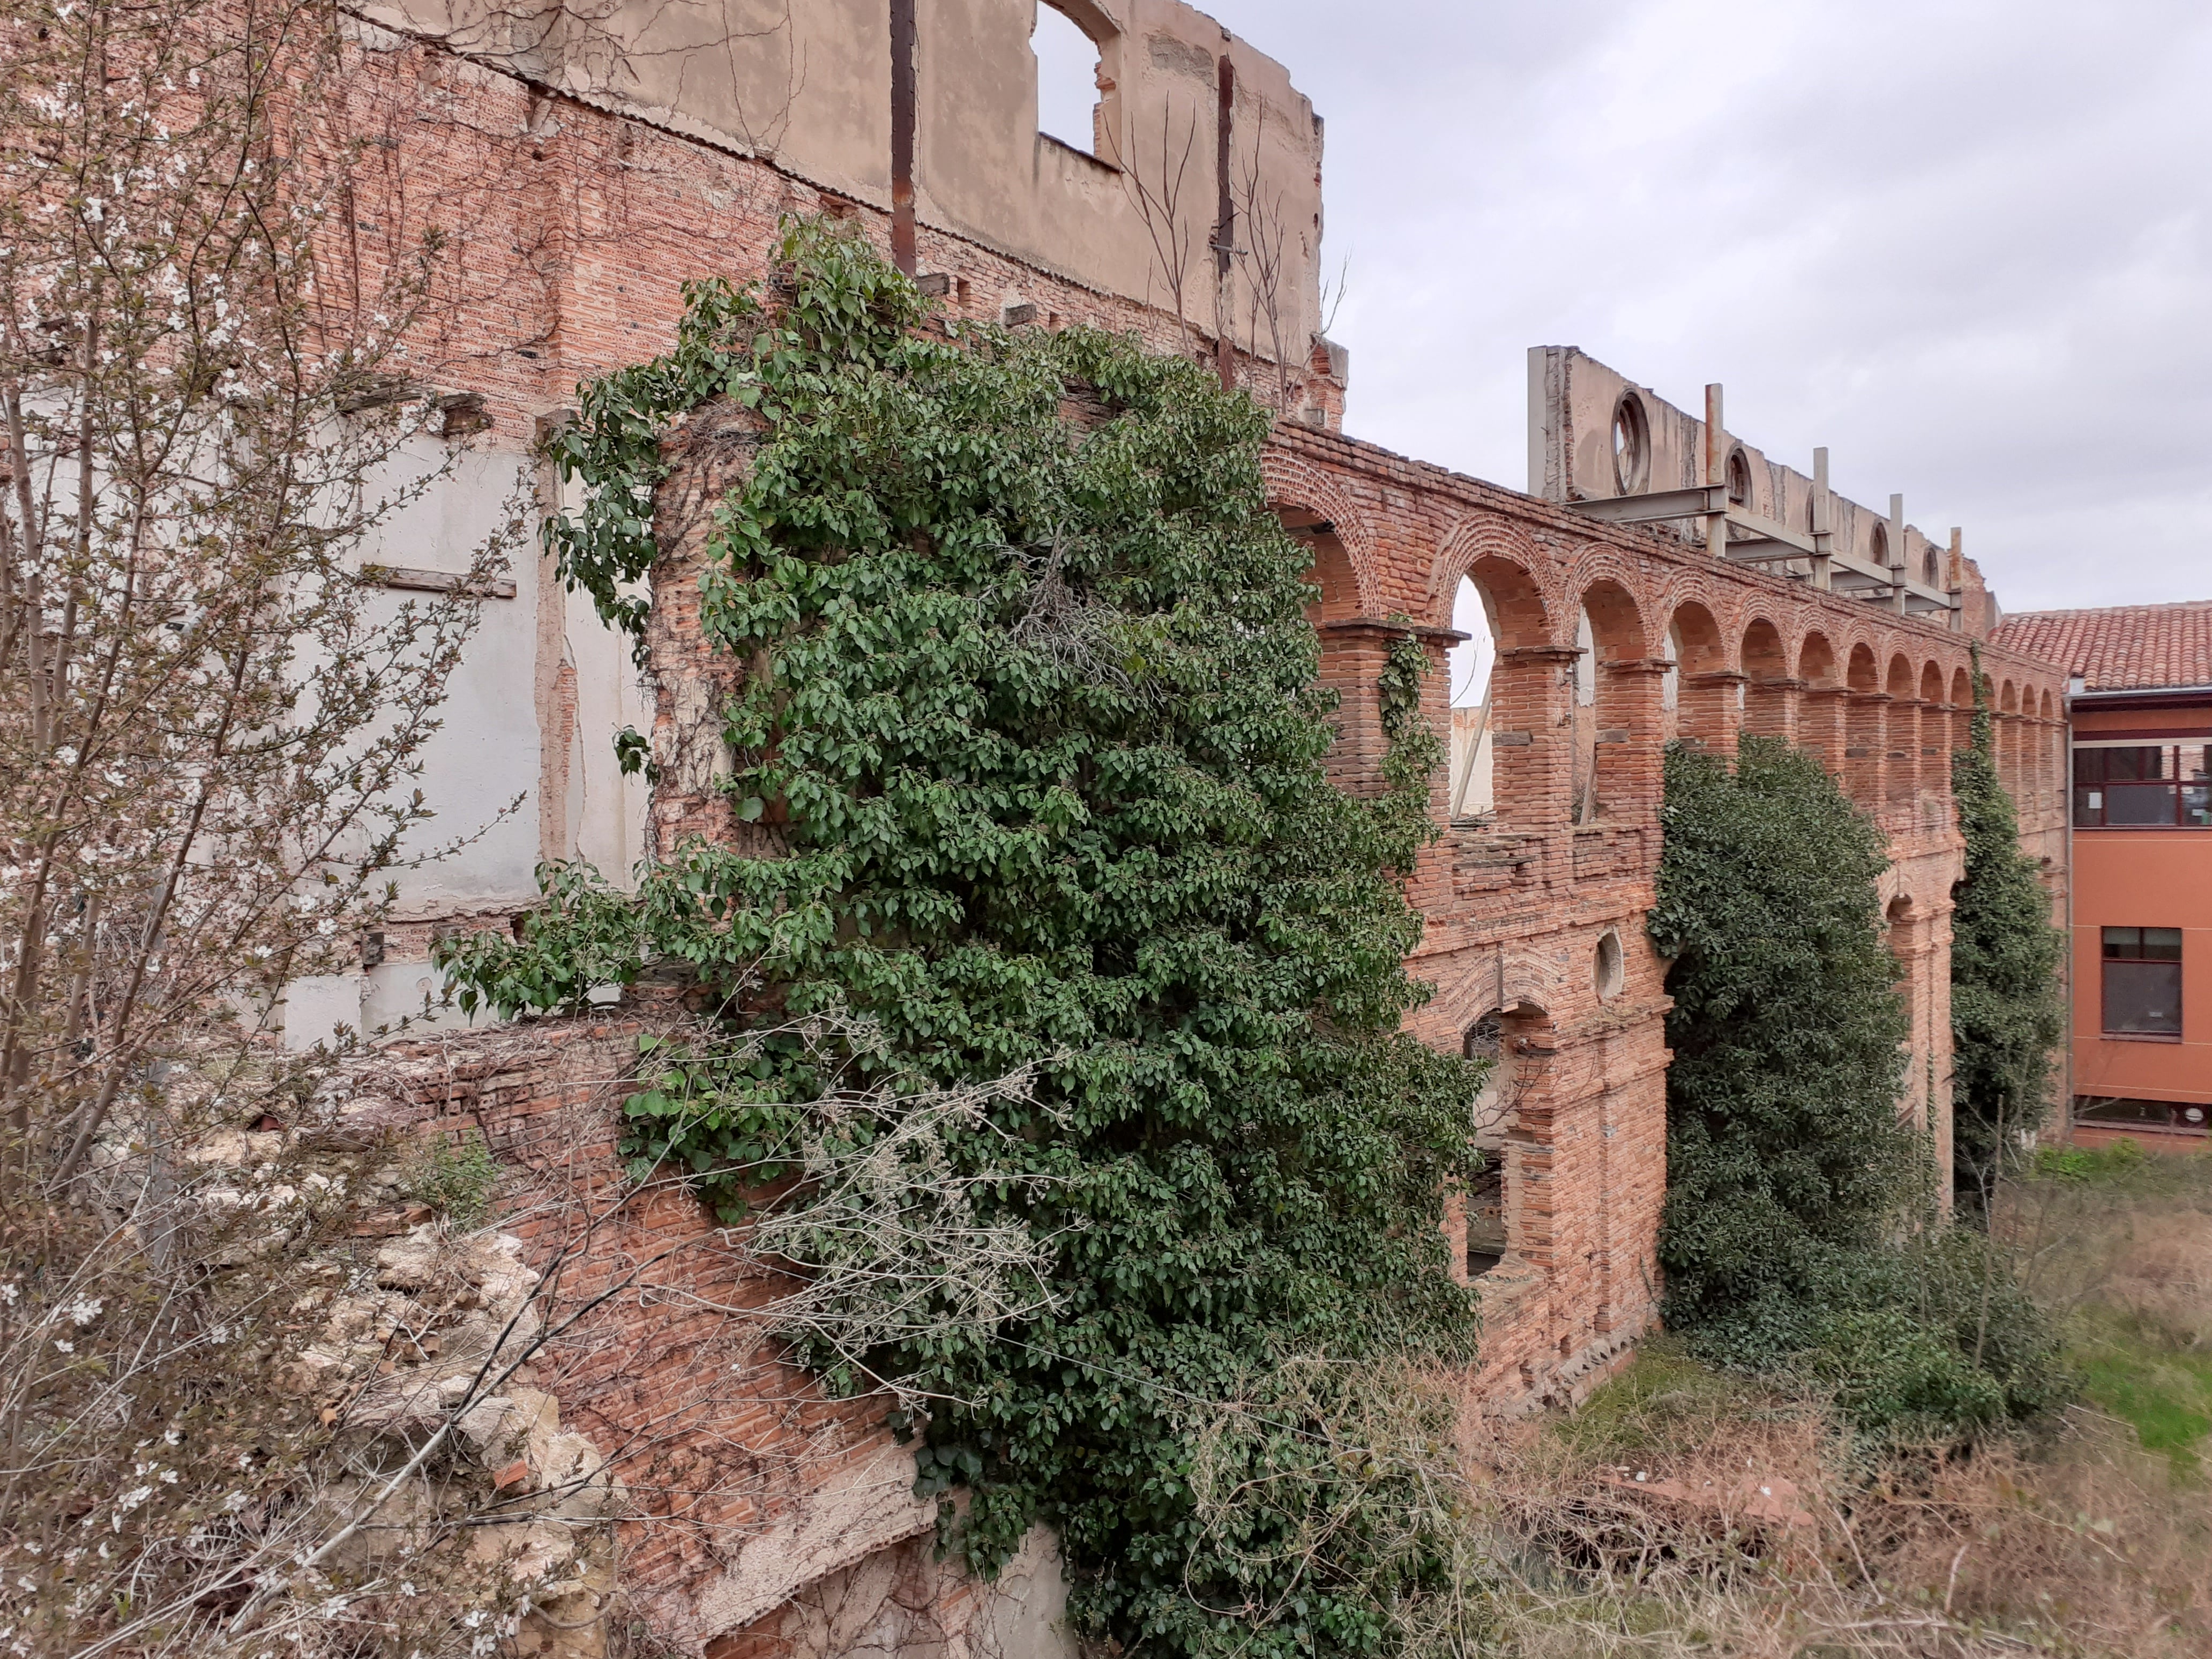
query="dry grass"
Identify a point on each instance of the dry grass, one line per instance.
(1758, 1531)
(1759, 1528)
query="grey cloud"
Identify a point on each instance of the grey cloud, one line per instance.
(1965, 245)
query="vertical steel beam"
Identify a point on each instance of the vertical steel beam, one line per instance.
(1824, 523)
(903, 124)
(1897, 553)
(1225, 226)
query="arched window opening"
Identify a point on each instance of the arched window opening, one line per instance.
(1739, 479)
(1483, 1208)
(1670, 688)
(1472, 665)
(1585, 781)
(1068, 64)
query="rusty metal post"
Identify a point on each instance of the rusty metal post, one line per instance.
(903, 123)
(1225, 230)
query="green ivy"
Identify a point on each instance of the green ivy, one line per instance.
(1033, 711)
(2008, 1017)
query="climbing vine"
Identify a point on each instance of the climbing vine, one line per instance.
(1031, 708)
(1800, 1228)
(2007, 1015)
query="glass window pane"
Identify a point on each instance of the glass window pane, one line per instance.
(2123, 764)
(2139, 803)
(2088, 806)
(2088, 766)
(2143, 998)
(2123, 941)
(2162, 944)
(2091, 1109)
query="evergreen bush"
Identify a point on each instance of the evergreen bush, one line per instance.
(1035, 712)
(1800, 1229)
(2007, 1017)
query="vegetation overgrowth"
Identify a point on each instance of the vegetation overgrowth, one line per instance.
(1029, 710)
(1800, 1229)
(2008, 1017)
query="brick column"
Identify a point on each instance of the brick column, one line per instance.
(1631, 764)
(1864, 744)
(1820, 726)
(1902, 749)
(1711, 709)
(1770, 708)
(1531, 746)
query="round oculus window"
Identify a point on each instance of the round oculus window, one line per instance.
(1632, 446)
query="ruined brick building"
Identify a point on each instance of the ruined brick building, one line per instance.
(1658, 581)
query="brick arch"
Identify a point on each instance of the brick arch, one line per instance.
(1598, 568)
(1899, 681)
(1291, 484)
(1816, 660)
(1761, 651)
(1616, 620)
(1962, 688)
(1861, 672)
(1704, 648)
(1504, 566)
(1518, 982)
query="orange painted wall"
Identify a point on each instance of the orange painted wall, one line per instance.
(2142, 879)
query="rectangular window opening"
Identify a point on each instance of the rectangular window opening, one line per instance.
(2143, 786)
(2142, 982)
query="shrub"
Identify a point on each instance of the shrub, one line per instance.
(1783, 1147)
(1800, 1231)
(454, 1175)
(2007, 1016)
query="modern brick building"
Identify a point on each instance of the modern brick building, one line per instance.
(2141, 744)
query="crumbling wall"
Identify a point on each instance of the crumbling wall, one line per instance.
(808, 86)
(568, 231)
(742, 1488)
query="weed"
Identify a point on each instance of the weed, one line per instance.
(455, 1175)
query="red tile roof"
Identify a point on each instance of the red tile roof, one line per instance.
(2130, 647)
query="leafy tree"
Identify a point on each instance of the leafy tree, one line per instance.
(1031, 709)
(2007, 1017)
(1783, 1144)
(1799, 1230)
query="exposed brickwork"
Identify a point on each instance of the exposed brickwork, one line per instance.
(1517, 905)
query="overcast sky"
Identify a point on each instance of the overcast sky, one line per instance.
(1965, 245)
